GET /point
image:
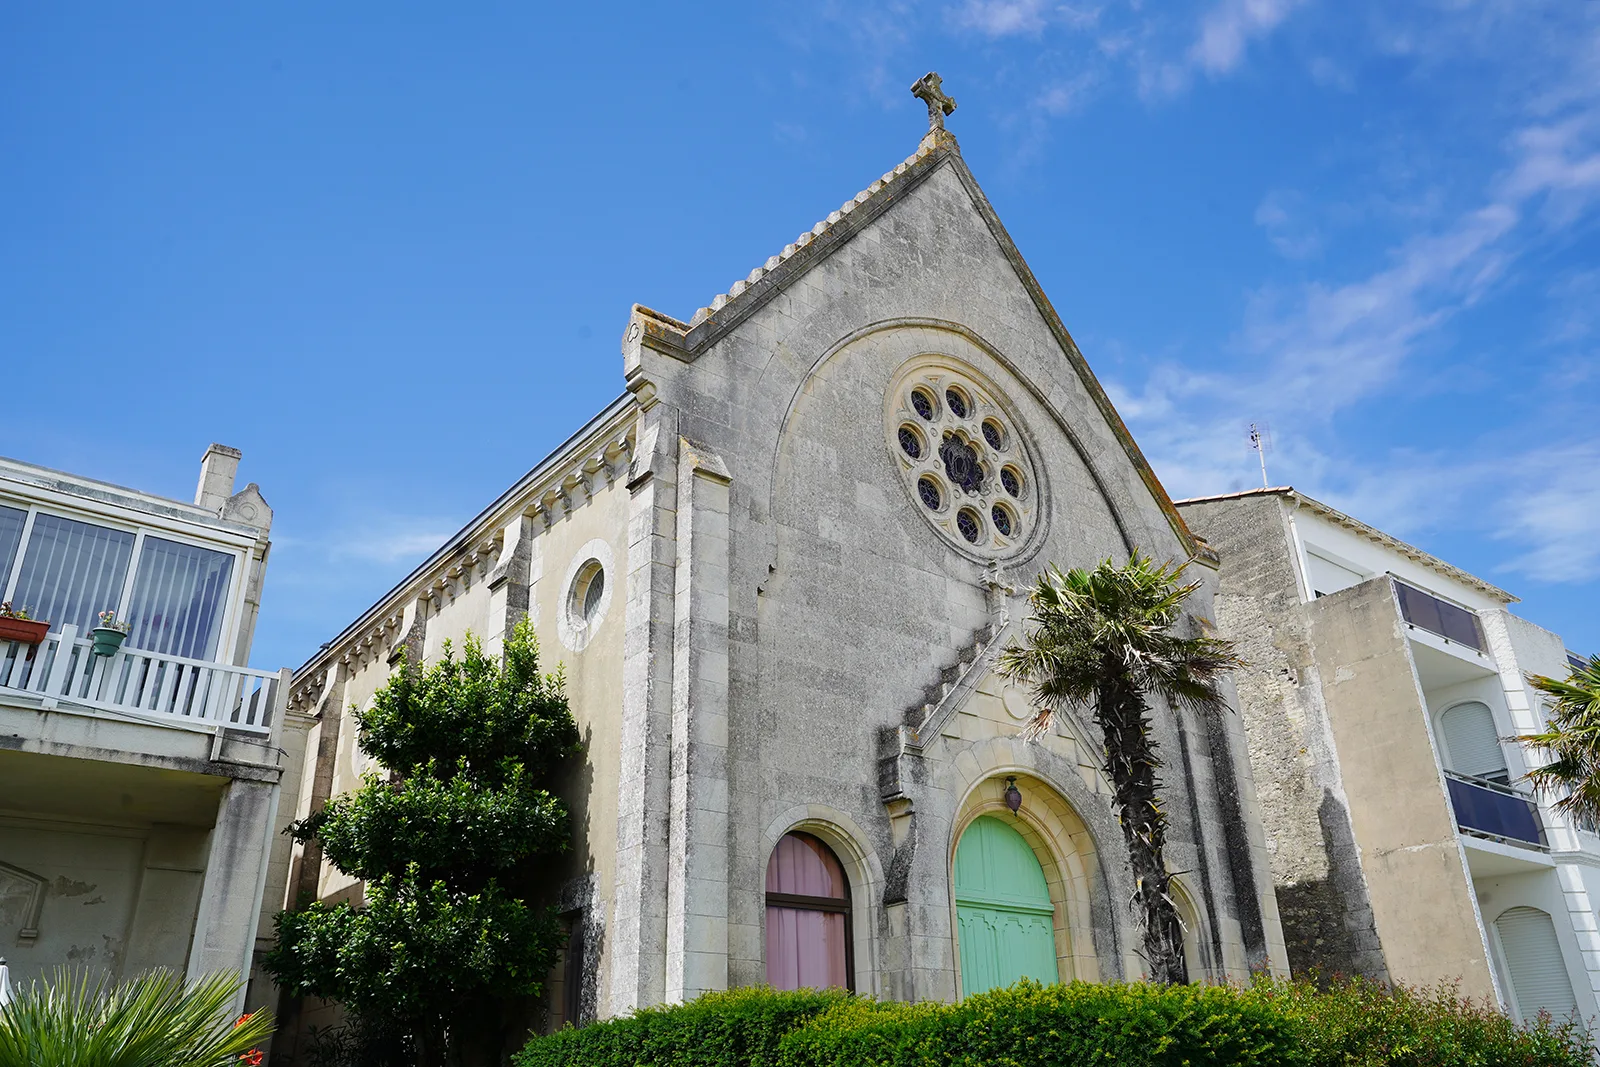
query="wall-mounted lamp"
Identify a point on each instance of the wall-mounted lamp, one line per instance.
(1013, 795)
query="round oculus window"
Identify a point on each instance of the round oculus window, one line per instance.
(964, 462)
(588, 593)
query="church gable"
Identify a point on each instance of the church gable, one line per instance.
(920, 246)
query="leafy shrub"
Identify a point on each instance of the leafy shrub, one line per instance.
(1365, 1024)
(1269, 1024)
(740, 1028)
(1079, 1023)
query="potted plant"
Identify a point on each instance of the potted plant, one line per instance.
(109, 635)
(15, 625)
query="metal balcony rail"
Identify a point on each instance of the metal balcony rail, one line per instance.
(1428, 612)
(1490, 809)
(61, 670)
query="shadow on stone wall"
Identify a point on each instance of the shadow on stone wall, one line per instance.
(1328, 924)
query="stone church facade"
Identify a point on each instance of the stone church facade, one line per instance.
(778, 570)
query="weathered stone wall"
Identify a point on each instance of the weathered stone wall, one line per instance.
(1316, 866)
(845, 606)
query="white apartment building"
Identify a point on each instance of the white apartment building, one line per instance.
(1384, 689)
(141, 792)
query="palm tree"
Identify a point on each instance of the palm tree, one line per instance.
(1572, 737)
(1104, 639)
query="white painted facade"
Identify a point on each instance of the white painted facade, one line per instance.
(1475, 702)
(141, 791)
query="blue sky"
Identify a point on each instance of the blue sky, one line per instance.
(388, 249)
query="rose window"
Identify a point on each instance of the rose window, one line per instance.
(964, 464)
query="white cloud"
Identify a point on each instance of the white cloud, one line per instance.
(1067, 95)
(1220, 42)
(399, 541)
(1282, 215)
(1003, 18)
(1229, 27)
(1554, 509)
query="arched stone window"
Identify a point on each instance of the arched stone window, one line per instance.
(1472, 742)
(808, 917)
(1534, 964)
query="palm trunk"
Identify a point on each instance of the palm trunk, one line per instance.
(1131, 764)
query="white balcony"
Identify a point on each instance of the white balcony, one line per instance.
(61, 672)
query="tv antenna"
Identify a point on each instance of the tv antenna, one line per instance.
(1260, 441)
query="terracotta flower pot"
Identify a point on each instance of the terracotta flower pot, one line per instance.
(107, 639)
(26, 631)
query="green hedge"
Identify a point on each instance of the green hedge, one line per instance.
(1269, 1024)
(741, 1028)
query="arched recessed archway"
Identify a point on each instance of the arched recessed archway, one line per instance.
(1064, 853)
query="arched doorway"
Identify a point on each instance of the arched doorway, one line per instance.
(808, 917)
(1005, 921)
(1534, 963)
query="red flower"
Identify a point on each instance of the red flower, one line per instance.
(251, 1058)
(241, 1020)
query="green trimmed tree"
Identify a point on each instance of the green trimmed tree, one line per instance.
(453, 843)
(1105, 640)
(1572, 739)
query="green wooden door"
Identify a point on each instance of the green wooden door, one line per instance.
(1004, 918)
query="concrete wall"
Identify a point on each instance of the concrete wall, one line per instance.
(1319, 885)
(101, 864)
(1421, 897)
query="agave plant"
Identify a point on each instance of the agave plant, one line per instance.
(154, 1020)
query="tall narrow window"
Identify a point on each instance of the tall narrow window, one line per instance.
(179, 594)
(808, 917)
(11, 523)
(71, 571)
(1537, 971)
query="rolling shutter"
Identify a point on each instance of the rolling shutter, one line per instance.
(1533, 957)
(1472, 741)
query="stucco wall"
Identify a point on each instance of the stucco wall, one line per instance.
(116, 900)
(1421, 898)
(472, 604)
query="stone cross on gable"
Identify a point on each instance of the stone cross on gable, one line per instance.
(926, 89)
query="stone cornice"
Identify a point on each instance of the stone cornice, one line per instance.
(566, 480)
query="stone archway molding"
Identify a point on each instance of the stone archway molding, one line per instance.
(862, 866)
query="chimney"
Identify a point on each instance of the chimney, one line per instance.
(217, 470)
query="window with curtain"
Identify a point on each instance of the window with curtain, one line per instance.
(11, 523)
(72, 571)
(808, 917)
(179, 593)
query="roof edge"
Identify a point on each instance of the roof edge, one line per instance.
(1371, 533)
(598, 426)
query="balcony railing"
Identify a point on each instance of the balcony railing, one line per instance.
(1490, 809)
(61, 670)
(1428, 612)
